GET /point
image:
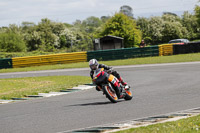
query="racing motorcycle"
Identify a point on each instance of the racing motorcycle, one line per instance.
(103, 79)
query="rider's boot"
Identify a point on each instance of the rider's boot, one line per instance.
(126, 86)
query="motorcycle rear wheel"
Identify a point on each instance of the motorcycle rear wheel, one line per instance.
(110, 94)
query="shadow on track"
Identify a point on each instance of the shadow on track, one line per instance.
(95, 103)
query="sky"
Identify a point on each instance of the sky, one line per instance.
(68, 11)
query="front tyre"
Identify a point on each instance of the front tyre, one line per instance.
(110, 94)
(129, 94)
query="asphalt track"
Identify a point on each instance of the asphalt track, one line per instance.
(157, 89)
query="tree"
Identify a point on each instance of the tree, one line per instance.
(27, 25)
(14, 29)
(170, 13)
(33, 40)
(12, 42)
(144, 26)
(49, 36)
(77, 23)
(173, 28)
(153, 30)
(104, 19)
(189, 21)
(170, 17)
(197, 15)
(91, 24)
(122, 26)
(127, 10)
(92, 21)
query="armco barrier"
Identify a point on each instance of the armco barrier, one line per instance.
(165, 49)
(114, 54)
(125, 53)
(192, 47)
(5, 63)
(49, 59)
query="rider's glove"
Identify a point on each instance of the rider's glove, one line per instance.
(110, 70)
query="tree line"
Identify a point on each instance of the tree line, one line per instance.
(51, 36)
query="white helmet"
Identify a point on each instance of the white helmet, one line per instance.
(93, 63)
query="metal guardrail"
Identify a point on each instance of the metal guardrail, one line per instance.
(114, 54)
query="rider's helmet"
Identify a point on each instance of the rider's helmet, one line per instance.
(93, 63)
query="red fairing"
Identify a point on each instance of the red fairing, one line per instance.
(117, 83)
(100, 74)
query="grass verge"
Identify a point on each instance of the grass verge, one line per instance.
(20, 87)
(189, 125)
(134, 61)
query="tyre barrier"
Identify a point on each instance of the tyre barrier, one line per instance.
(165, 49)
(49, 59)
(5, 63)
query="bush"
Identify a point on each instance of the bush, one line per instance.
(12, 42)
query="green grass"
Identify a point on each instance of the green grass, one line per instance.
(20, 87)
(189, 125)
(134, 61)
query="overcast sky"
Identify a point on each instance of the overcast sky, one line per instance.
(68, 11)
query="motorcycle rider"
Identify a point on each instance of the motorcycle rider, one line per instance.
(94, 65)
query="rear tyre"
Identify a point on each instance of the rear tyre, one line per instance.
(110, 94)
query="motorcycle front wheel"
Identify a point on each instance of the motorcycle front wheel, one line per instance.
(129, 94)
(110, 94)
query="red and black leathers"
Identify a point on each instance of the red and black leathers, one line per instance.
(115, 73)
(115, 82)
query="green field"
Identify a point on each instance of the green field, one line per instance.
(189, 125)
(20, 87)
(134, 61)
